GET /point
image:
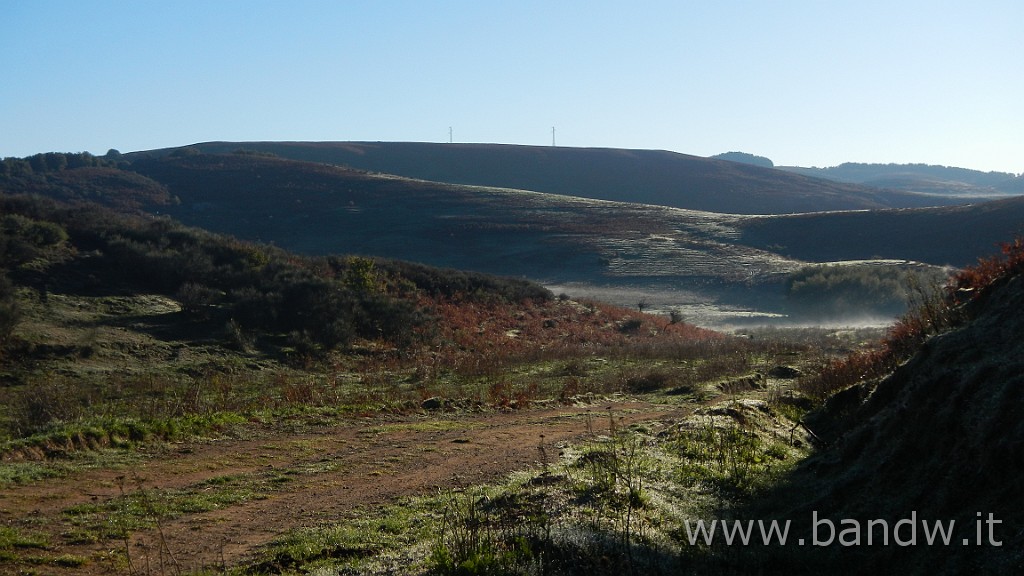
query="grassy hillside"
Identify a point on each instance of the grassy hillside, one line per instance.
(322, 209)
(645, 176)
(925, 429)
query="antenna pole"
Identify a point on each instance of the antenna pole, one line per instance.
(552, 135)
(449, 134)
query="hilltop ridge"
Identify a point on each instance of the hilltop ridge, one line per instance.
(642, 176)
(922, 179)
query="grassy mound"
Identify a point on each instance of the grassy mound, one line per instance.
(936, 440)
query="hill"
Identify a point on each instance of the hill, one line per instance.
(640, 176)
(932, 436)
(626, 253)
(921, 179)
(316, 208)
(101, 298)
(321, 209)
(694, 256)
(744, 158)
(178, 398)
(952, 235)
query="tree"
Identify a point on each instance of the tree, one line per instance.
(17, 167)
(80, 160)
(361, 275)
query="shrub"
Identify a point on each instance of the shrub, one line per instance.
(23, 239)
(43, 403)
(195, 298)
(648, 382)
(630, 325)
(10, 314)
(971, 281)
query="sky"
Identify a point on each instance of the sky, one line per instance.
(802, 82)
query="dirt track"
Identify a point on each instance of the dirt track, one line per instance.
(327, 475)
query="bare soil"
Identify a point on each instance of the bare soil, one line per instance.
(333, 474)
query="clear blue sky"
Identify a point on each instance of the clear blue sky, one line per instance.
(811, 83)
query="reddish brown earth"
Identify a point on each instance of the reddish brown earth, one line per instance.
(333, 473)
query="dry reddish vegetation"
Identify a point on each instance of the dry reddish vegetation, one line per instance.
(970, 282)
(934, 313)
(553, 327)
(489, 341)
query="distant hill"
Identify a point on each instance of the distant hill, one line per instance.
(317, 208)
(642, 176)
(954, 235)
(321, 209)
(921, 179)
(745, 158)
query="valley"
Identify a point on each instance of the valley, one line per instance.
(218, 359)
(670, 257)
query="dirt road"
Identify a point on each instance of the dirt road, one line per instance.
(272, 484)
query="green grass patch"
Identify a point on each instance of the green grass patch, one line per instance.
(102, 432)
(139, 507)
(12, 539)
(26, 472)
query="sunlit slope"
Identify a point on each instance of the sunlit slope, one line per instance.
(314, 208)
(317, 208)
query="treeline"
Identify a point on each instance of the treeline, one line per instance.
(851, 291)
(82, 178)
(57, 162)
(264, 295)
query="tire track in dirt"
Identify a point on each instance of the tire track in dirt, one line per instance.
(332, 474)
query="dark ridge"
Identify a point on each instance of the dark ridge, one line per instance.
(942, 236)
(645, 176)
